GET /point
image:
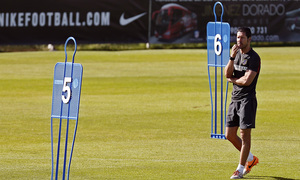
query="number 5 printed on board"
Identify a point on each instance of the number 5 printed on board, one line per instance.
(66, 89)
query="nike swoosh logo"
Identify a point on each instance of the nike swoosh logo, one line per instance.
(253, 163)
(127, 21)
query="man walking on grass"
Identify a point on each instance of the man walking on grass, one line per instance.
(242, 71)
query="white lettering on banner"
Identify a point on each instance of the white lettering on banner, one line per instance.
(89, 18)
(254, 30)
(13, 20)
(42, 19)
(263, 9)
(77, 19)
(20, 19)
(97, 18)
(34, 19)
(56, 19)
(64, 20)
(105, 19)
(259, 34)
(50, 14)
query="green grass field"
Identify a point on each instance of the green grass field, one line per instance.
(145, 115)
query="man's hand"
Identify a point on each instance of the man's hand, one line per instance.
(231, 80)
(234, 50)
(230, 65)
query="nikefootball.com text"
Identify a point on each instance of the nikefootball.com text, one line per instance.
(54, 19)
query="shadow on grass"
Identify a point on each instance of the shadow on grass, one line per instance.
(269, 177)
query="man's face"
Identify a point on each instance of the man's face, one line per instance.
(242, 40)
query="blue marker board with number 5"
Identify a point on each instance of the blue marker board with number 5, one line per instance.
(218, 47)
(66, 90)
(65, 106)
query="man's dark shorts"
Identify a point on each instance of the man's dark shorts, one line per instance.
(242, 113)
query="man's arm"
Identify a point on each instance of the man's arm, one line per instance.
(229, 69)
(245, 80)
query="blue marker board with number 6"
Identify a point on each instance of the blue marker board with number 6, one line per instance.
(218, 47)
(218, 41)
(65, 106)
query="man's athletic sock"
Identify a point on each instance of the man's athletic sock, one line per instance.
(240, 168)
(250, 157)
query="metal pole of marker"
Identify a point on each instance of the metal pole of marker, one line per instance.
(76, 123)
(62, 116)
(216, 64)
(216, 73)
(67, 128)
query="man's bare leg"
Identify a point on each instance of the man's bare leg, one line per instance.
(242, 144)
(246, 144)
(231, 135)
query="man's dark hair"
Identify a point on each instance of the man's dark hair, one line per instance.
(245, 30)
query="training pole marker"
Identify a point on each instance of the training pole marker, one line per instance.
(218, 43)
(65, 106)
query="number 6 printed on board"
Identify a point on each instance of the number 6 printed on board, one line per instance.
(218, 44)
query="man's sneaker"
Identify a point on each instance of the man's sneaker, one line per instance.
(249, 165)
(237, 175)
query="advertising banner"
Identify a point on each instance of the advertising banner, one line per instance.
(184, 21)
(141, 21)
(89, 21)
